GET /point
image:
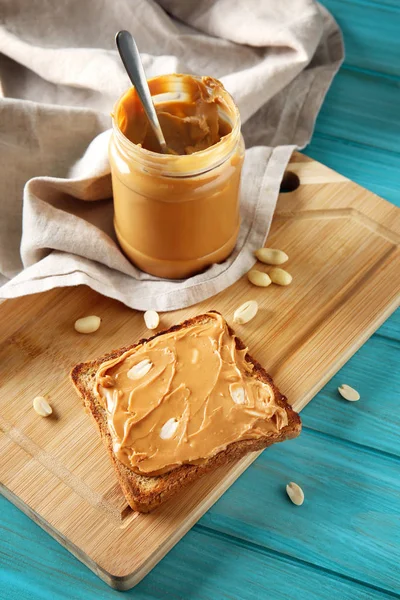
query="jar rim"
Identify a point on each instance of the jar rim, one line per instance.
(183, 164)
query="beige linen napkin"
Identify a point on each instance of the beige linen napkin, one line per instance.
(60, 77)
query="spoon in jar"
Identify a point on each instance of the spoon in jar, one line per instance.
(130, 57)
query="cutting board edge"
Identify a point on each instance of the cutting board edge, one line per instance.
(127, 582)
(130, 580)
(345, 357)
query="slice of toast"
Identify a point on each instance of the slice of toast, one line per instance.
(144, 493)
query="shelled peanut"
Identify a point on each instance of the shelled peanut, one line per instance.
(277, 275)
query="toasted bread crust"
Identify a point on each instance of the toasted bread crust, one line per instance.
(144, 493)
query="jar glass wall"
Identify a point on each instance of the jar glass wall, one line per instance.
(174, 215)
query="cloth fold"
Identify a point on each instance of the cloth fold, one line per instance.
(60, 77)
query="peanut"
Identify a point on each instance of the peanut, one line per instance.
(140, 369)
(87, 324)
(258, 278)
(41, 406)
(245, 312)
(271, 256)
(295, 493)
(348, 393)
(280, 277)
(152, 319)
(168, 429)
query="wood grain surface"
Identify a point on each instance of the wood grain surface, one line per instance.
(343, 244)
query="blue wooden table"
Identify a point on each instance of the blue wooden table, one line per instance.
(344, 542)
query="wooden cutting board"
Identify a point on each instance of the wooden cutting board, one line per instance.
(343, 243)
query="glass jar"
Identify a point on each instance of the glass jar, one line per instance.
(175, 215)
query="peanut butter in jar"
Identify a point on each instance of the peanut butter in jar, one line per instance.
(176, 214)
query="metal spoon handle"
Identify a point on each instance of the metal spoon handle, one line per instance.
(130, 56)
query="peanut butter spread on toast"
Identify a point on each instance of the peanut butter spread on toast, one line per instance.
(184, 396)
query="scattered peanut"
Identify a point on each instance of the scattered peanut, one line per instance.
(280, 277)
(87, 324)
(152, 319)
(140, 369)
(295, 493)
(245, 312)
(271, 256)
(258, 278)
(41, 406)
(348, 393)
